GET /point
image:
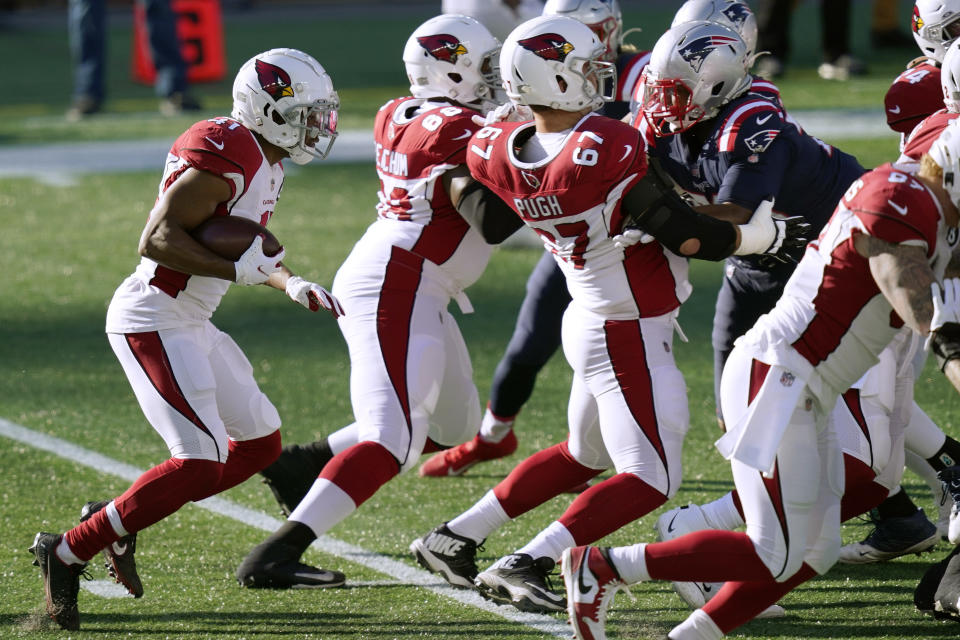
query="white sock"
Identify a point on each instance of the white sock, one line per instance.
(113, 516)
(722, 514)
(324, 506)
(492, 429)
(480, 520)
(697, 626)
(65, 553)
(343, 438)
(550, 542)
(630, 562)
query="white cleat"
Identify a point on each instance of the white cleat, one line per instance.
(678, 522)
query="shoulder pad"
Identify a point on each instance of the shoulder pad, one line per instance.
(750, 127)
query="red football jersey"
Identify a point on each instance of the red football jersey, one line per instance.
(572, 199)
(923, 135)
(832, 312)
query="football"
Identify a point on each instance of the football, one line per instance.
(230, 236)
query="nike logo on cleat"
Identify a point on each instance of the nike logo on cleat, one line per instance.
(444, 545)
(581, 583)
(672, 520)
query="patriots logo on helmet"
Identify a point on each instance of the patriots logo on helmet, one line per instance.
(758, 142)
(917, 22)
(443, 46)
(274, 80)
(698, 50)
(549, 46)
(736, 12)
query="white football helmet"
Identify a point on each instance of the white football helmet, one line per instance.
(453, 56)
(945, 151)
(556, 62)
(695, 68)
(935, 24)
(602, 16)
(950, 77)
(730, 13)
(285, 96)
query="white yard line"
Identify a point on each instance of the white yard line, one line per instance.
(59, 164)
(399, 571)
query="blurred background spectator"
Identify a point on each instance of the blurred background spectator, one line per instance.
(87, 24)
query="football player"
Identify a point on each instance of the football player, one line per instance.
(899, 529)
(536, 333)
(411, 383)
(864, 283)
(194, 384)
(575, 176)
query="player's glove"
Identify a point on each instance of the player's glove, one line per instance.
(254, 267)
(631, 236)
(777, 237)
(507, 112)
(313, 296)
(946, 306)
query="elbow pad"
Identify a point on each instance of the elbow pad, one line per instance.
(653, 206)
(945, 344)
(487, 213)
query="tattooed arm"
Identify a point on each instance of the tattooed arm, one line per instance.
(904, 278)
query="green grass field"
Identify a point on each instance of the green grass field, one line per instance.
(64, 250)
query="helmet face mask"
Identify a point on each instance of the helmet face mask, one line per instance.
(668, 105)
(602, 16)
(286, 97)
(694, 70)
(557, 62)
(935, 25)
(455, 57)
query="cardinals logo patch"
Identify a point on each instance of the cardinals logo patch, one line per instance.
(274, 80)
(917, 22)
(549, 46)
(758, 142)
(697, 51)
(443, 46)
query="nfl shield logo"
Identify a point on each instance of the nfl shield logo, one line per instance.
(787, 379)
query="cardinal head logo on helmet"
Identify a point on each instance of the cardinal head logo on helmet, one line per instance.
(443, 46)
(549, 46)
(274, 80)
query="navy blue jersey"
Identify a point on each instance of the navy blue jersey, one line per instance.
(752, 151)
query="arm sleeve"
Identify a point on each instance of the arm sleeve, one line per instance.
(653, 206)
(487, 213)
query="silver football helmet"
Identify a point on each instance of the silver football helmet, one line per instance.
(695, 68)
(453, 56)
(557, 62)
(945, 151)
(602, 16)
(935, 24)
(730, 13)
(286, 96)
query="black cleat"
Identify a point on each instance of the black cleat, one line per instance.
(275, 565)
(293, 473)
(453, 557)
(61, 582)
(520, 580)
(118, 557)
